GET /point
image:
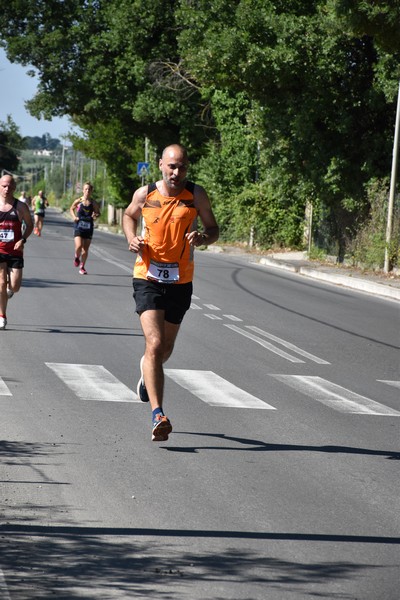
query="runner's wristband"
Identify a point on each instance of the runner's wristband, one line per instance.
(23, 240)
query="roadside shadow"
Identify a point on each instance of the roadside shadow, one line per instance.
(32, 282)
(76, 330)
(71, 562)
(17, 449)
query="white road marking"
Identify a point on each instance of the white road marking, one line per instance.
(4, 391)
(93, 382)
(215, 317)
(4, 593)
(265, 344)
(395, 384)
(109, 258)
(336, 396)
(195, 306)
(288, 345)
(195, 297)
(214, 390)
(211, 307)
(232, 318)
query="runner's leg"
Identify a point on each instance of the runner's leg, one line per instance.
(160, 338)
(15, 276)
(85, 243)
(3, 288)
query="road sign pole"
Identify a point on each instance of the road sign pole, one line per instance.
(393, 180)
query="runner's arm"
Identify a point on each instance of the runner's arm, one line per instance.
(25, 216)
(131, 217)
(72, 209)
(211, 229)
(96, 212)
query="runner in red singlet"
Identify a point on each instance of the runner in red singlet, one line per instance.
(15, 228)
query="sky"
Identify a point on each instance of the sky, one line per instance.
(19, 88)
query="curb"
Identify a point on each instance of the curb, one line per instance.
(343, 280)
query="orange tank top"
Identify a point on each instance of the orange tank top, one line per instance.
(167, 256)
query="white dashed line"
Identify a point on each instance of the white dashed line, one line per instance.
(288, 345)
(265, 344)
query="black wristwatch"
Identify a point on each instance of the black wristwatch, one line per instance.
(23, 240)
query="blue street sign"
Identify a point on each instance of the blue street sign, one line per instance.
(143, 168)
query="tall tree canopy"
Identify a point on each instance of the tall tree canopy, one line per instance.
(279, 102)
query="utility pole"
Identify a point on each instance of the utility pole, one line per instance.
(392, 192)
(146, 158)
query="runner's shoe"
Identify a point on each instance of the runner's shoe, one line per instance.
(141, 388)
(3, 322)
(161, 429)
(10, 293)
(76, 261)
(82, 270)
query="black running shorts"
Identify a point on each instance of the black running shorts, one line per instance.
(85, 234)
(174, 298)
(13, 262)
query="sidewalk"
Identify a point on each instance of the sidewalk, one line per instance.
(376, 283)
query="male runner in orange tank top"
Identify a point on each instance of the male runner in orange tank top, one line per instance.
(163, 272)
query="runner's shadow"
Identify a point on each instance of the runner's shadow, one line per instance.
(259, 446)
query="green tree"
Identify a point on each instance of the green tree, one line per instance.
(109, 66)
(11, 144)
(326, 118)
(279, 101)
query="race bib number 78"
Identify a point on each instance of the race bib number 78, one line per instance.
(163, 272)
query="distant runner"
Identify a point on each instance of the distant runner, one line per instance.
(39, 205)
(84, 211)
(15, 228)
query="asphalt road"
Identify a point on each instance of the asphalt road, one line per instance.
(280, 479)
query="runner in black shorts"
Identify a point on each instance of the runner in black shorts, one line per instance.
(83, 210)
(163, 271)
(173, 299)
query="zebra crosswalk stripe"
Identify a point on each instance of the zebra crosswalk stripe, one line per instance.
(395, 384)
(93, 382)
(214, 390)
(4, 391)
(336, 396)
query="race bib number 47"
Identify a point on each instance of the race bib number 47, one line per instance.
(7, 236)
(163, 272)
